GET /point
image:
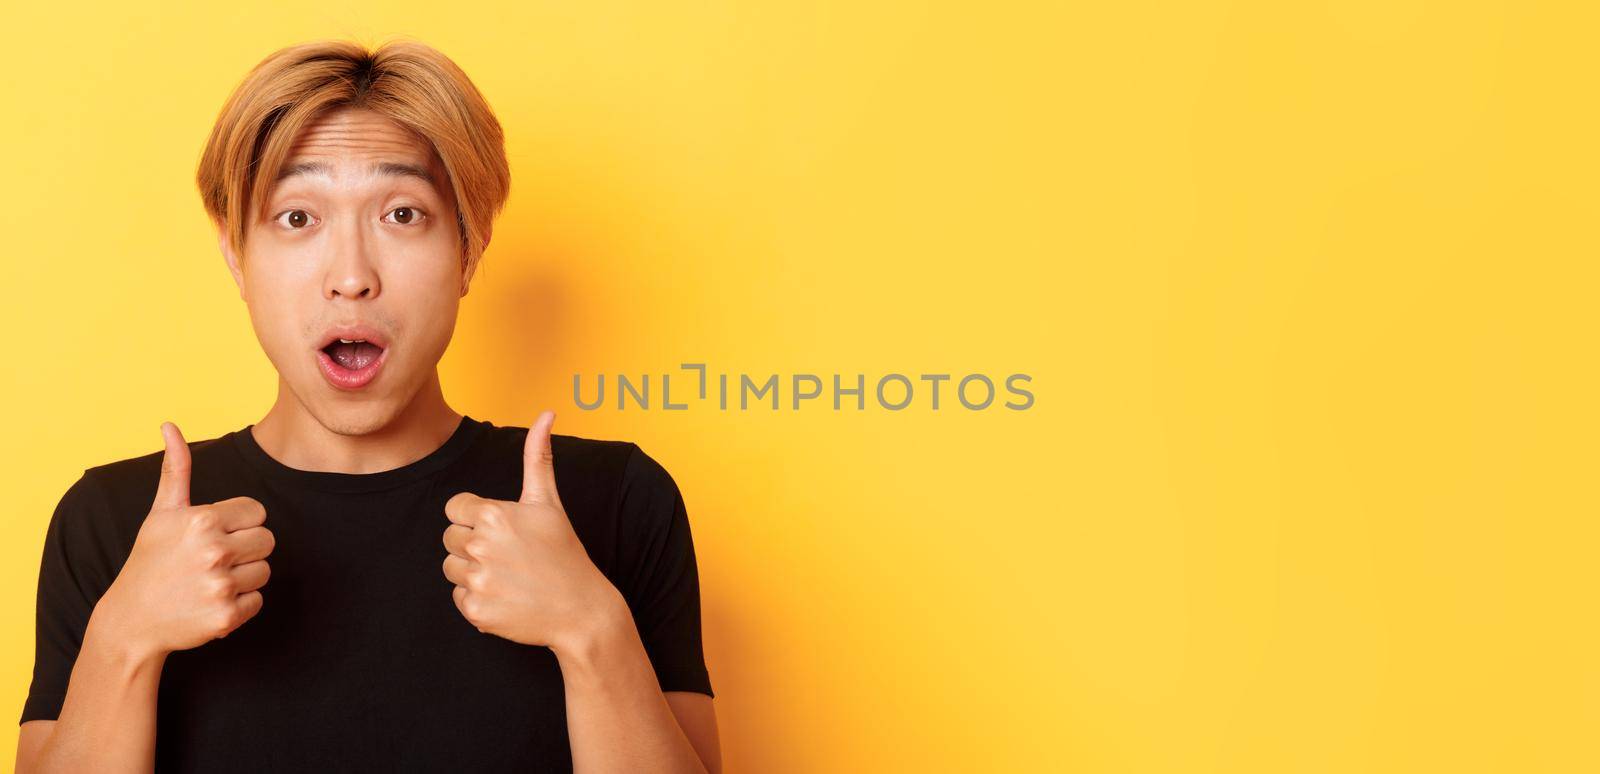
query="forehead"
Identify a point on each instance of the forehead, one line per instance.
(359, 142)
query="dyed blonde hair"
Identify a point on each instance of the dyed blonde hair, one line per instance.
(408, 82)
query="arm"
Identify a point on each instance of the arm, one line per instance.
(520, 572)
(617, 716)
(108, 718)
(697, 716)
(192, 575)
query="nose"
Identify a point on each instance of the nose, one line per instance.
(353, 269)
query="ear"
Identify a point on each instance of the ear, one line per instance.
(466, 280)
(225, 245)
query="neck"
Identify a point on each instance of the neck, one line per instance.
(294, 436)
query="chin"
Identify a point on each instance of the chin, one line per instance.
(359, 420)
(356, 416)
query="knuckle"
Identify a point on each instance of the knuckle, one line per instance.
(204, 518)
(492, 514)
(462, 504)
(254, 512)
(213, 555)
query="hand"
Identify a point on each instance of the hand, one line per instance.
(520, 571)
(194, 572)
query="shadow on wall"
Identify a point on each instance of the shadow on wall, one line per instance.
(515, 326)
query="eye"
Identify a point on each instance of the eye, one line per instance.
(294, 219)
(406, 216)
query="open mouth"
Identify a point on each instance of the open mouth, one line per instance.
(350, 358)
(353, 355)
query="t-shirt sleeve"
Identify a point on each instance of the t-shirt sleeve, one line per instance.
(71, 579)
(662, 583)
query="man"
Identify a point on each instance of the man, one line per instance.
(274, 599)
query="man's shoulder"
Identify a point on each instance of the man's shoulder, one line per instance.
(605, 472)
(108, 502)
(134, 479)
(580, 455)
(622, 464)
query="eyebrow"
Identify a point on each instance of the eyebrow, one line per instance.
(380, 168)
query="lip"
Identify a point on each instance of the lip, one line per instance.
(355, 331)
(343, 378)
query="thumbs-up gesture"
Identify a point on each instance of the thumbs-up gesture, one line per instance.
(195, 571)
(520, 571)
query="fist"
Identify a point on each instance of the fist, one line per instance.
(195, 571)
(519, 570)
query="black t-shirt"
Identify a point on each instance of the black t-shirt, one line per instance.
(359, 659)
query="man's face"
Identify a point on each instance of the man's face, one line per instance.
(359, 242)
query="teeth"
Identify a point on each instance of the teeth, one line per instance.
(350, 341)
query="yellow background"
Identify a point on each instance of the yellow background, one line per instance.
(1307, 291)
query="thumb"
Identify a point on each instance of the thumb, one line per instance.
(173, 490)
(538, 462)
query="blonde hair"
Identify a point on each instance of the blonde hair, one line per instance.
(406, 81)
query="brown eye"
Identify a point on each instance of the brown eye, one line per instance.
(298, 218)
(405, 216)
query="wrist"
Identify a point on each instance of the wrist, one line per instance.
(111, 633)
(604, 623)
